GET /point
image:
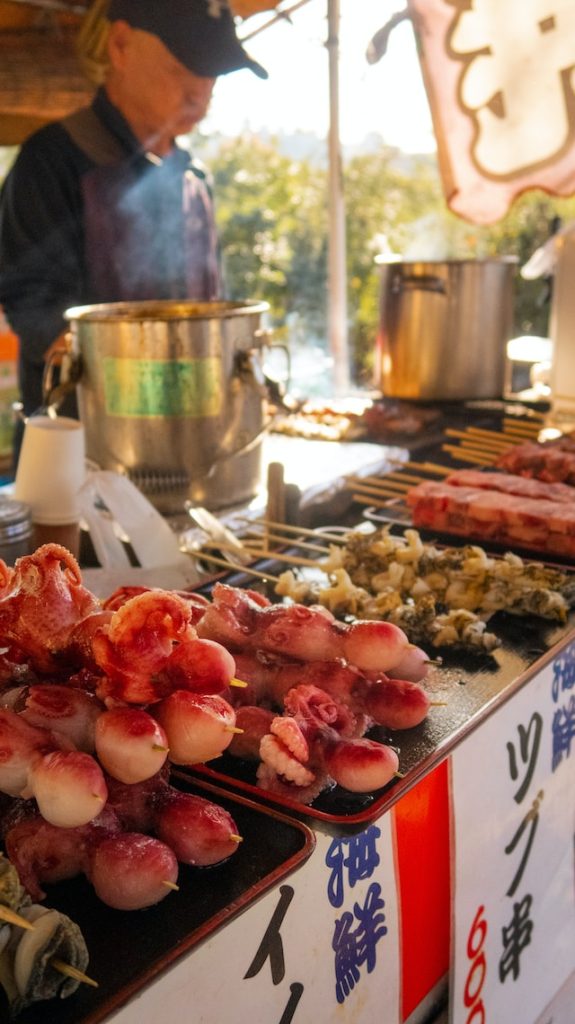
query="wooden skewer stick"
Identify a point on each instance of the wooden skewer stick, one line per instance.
(363, 499)
(429, 467)
(524, 424)
(388, 476)
(72, 972)
(333, 538)
(250, 542)
(170, 885)
(478, 444)
(467, 455)
(235, 838)
(276, 556)
(497, 436)
(235, 566)
(239, 683)
(438, 704)
(478, 437)
(11, 917)
(382, 487)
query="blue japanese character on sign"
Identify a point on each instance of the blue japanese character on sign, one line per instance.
(563, 730)
(355, 947)
(361, 861)
(563, 672)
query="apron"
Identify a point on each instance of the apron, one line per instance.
(149, 230)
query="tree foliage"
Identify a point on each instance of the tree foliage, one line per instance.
(273, 219)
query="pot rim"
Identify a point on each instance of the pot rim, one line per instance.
(163, 309)
(391, 260)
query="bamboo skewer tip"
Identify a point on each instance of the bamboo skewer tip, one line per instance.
(73, 972)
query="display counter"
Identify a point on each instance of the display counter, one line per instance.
(448, 897)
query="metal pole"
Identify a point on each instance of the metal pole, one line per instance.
(337, 278)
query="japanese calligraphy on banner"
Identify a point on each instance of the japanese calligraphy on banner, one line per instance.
(513, 782)
(500, 80)
(322, 945)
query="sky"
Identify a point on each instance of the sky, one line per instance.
(387, 98)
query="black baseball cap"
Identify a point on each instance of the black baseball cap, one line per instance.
(201, 34)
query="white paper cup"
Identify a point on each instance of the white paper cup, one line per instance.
(51, 469)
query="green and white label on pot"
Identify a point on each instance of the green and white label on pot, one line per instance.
(163, 387)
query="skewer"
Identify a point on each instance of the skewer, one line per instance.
(364, 495)
(293, 529)
(497, 436)
(429, 467)
(514, 424)
(486, 437)
(277, 557)
(234, 565)
(468, 455)
(11, 917)
(382, 486)
(479, 444)
(363, 499)
(388, 476)
(73, 972)
(248, 541)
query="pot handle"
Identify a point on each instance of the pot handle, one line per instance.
(422, 283)
(62, 372)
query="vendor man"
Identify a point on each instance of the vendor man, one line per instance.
(104, 206)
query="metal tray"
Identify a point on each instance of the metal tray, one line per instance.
(272, 847)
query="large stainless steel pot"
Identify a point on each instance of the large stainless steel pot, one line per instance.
(443, 328)
(172, 394)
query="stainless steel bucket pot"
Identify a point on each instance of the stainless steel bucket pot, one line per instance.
(172, 394)
(443, 328)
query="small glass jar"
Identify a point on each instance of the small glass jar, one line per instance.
(15, 530)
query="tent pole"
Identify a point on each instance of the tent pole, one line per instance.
(337, 277)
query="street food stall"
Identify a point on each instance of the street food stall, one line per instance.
(289, 735)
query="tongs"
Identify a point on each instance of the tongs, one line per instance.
(218, 533)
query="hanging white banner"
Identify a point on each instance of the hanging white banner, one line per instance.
(499, 79)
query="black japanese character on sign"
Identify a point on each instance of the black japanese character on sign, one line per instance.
(516, 937)
(530, 820)
(353, 948)
(529, 743)
(271, 947)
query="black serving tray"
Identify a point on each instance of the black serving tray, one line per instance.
(467, 687)
(155, 938)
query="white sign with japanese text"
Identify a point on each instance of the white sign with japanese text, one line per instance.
(322, 945)
(513, 785)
